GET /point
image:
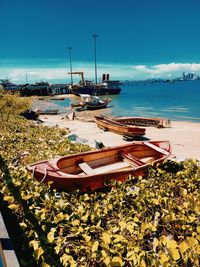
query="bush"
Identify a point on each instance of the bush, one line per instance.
(146, 221)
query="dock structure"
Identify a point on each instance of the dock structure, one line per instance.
(8, 257)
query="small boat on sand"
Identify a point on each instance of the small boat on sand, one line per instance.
(144, 121)
(90, 170)
(91, 102)
(118, 127)
(48, 111)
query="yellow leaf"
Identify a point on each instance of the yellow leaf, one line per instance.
(136, 249)
(122, 225)
(163, 240)
(192, 241)
(135, 219)
(116, 261)
(130, 228)
(174, 253)
(115, 229)
(50, 235)
(43, 216)
(57, 248)
(192, 218)
(13, 207)
(144, 226)
(131, 256)
(107, 261)
(183, 246)
(68, 259)
(104, 254)
(142, 263)
(185, 204)
(75, 222)
(155, 201)
(183, 191)
(153, 228)
(39, 252)
(23, 225)
(9, 199)
(86, 197)
(118, 238)
(172, 243)
(27, 197)
(198, 229)
(106, 238)
(86, 237)
(172, 247)
(155, 242)
(163, 258)
(84, 218)
(95, 246)
(34, 244)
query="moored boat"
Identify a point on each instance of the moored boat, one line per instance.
(119, 128)
(91, 102)
(144, 121)
(90, 170)
(47, 111)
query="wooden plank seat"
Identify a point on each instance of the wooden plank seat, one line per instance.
(86, 168)
(157, 148)
(132, 159)
(103, 169)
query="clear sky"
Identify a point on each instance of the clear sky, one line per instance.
(137, 39)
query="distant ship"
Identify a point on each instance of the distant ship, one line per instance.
(106, 87)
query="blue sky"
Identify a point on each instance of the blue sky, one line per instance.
(137, 39)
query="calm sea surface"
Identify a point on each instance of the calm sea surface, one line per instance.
(175, 101)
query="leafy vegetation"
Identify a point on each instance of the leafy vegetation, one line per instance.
(146, 221)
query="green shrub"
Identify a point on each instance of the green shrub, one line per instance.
(146, 221)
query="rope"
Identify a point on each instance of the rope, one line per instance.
(45, 174)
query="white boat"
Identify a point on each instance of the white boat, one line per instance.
(91, 102)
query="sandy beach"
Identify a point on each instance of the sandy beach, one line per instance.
(183, 136)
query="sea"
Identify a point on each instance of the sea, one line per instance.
(179, 100)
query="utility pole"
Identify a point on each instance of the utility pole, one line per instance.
(95, 56)
(70, 63)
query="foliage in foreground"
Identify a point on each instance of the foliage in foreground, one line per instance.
(152, 221)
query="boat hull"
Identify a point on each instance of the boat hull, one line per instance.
(48, 112)
(119, 128)
(91, 170)
(143, 121)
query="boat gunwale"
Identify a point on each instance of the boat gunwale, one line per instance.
(32, 167)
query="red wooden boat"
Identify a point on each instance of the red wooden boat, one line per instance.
(144, 121)
(118, 127)
(90, 170)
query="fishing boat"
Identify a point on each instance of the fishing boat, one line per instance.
(91, 170)
(129, 131)
(47, 111)
(91, 102)
(144, 121)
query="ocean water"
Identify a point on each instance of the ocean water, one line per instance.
(176, 101)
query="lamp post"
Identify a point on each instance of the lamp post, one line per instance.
(70, 63)
(95, 58)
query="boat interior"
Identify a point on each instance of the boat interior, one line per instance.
(111, 160)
